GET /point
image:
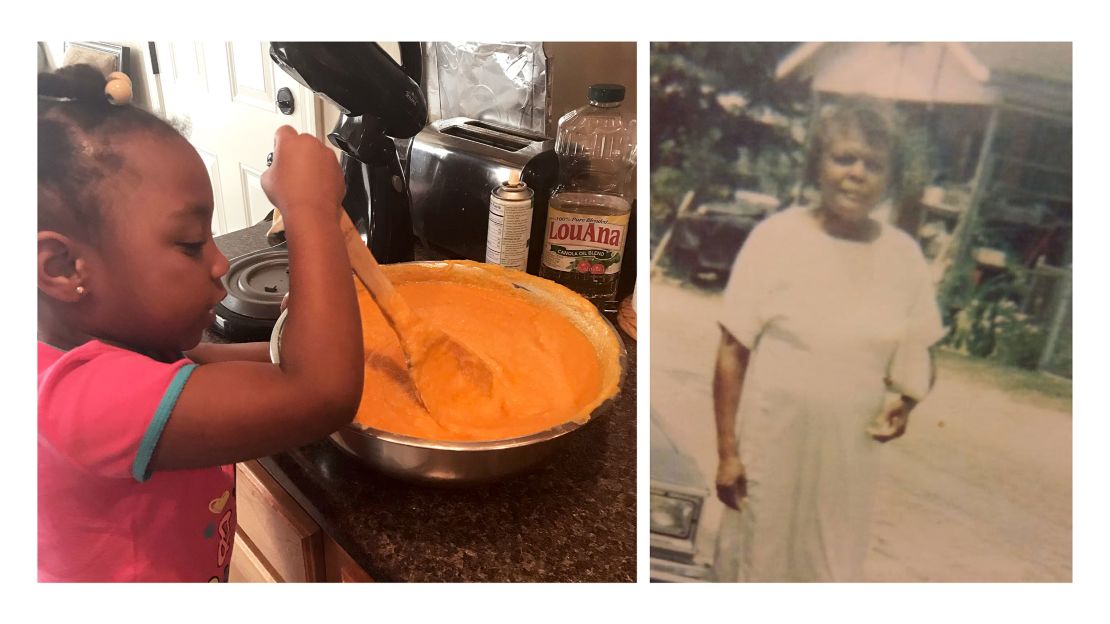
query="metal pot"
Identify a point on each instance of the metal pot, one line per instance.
(466, 463)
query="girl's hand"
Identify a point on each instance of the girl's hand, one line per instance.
(892, 421)
(304, 173)
(732, 482)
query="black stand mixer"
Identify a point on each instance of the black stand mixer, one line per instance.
(379, 101)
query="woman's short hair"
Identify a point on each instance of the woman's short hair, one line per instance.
(875, 119)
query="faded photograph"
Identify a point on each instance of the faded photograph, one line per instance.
(861, 312)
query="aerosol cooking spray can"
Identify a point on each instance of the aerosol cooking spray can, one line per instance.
(510, 223)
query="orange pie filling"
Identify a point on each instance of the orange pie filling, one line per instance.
(553, 358)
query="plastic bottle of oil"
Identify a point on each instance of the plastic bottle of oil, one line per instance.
(589, 208)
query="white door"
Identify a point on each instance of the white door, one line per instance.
(226, 93)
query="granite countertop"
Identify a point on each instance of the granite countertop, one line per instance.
(571, 519)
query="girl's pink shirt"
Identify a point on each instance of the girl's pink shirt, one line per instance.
(103, 516)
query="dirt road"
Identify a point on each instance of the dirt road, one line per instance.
(979, 489)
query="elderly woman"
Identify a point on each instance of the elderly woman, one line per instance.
(828, 318)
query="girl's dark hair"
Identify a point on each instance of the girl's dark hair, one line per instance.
(875, 119)
(78, 135)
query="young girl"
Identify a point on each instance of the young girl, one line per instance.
(139, 426)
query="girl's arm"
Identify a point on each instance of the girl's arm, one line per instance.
(728, 383)
(230, 411)
(210, 352)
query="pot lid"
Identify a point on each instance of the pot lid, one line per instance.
(256, 283)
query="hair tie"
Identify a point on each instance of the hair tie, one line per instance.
(118, 90)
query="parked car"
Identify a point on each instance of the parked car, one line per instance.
(678, 495)
(706, 240)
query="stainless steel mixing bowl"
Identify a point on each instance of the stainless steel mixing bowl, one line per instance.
(461, 463)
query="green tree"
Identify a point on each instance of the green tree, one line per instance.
(708, 100)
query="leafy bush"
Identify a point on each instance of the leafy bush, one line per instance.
(1018, 341)
(999, 331)
(986, 320)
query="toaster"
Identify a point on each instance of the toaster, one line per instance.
(454, 165)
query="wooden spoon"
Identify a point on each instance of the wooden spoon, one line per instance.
(446, 374)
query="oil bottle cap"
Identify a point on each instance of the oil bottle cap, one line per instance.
(605, 93)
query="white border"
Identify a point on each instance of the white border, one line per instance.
(801, 20)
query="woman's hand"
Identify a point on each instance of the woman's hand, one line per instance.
(732, 482)
(891, 423)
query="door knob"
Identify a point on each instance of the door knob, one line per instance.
(285, 101)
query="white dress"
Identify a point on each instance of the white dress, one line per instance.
(827, 321)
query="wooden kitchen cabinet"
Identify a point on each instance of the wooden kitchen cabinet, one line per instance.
(248, 565)
(339, 566)
(277, 541)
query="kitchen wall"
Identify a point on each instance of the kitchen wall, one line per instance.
(574, 66)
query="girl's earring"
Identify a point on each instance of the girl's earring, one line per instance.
(81, 290)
